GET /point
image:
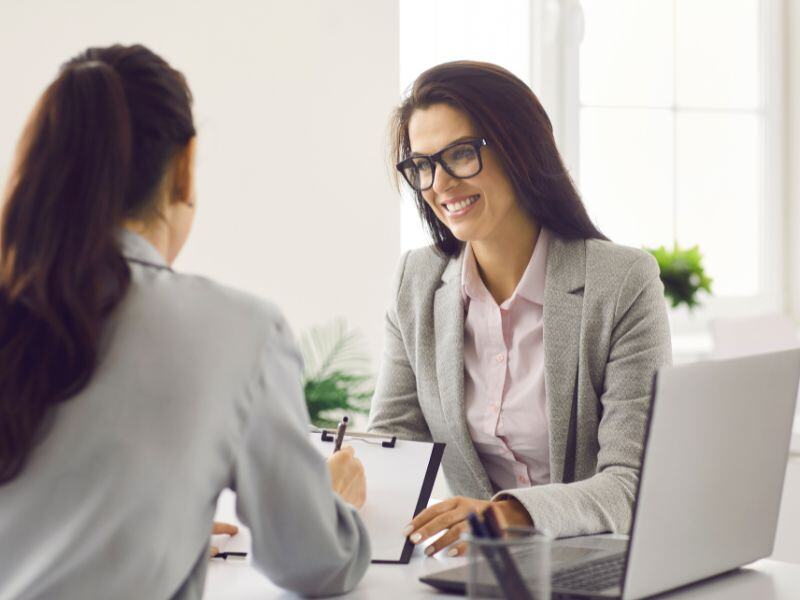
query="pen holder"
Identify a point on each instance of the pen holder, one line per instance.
(516, 567)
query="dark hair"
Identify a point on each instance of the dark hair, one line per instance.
(510, 117)
(92, 154)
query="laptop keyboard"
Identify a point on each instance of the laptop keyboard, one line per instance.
(592, 576)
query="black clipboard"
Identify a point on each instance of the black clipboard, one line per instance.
(389, 443)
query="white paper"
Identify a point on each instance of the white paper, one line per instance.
(394, 481)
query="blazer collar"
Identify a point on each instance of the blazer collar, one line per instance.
(448, 324)
(562, 323)
(137, 249)
(566, 266)
(452, 270)
(563, 313)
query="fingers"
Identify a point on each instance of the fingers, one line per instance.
(459, 549)
(219, 528)
(452, 536)
(223, 528)
(429, 514)
(345, 453)
(360, 499)
(448, 516)
(348, 477)
(359, 466)
(356, 492)
(441, 522)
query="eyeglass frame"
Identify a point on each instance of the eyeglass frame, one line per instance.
(433, 159)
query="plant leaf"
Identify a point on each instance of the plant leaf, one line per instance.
(682, 274)
(336, 377)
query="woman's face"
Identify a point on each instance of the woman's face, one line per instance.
(491, 204)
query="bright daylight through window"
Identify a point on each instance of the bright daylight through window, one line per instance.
(675, 141)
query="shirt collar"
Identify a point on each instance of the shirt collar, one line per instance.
(137, 249)
(472, 286)
(530, 286)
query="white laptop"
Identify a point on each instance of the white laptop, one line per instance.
(712, 474)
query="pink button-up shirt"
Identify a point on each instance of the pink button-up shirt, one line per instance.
(504, 389)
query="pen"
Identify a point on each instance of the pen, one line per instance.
(476, 526)
(226, 555)
(340, 434)
(495, 531)
(504, 569)
(492, 524)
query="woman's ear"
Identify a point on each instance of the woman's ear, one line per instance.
(183, 174)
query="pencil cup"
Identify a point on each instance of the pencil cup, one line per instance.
(516, 567)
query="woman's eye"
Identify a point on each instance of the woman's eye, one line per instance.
(463, 154)
(423, 166)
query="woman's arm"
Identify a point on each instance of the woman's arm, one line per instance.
(395, 407)
(304, 537)
(640, 344)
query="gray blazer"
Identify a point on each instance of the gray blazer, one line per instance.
(605, 334)
(197, 389)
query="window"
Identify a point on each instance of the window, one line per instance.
(676, 108)
(667, 113)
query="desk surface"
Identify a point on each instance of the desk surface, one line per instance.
(239, 580)
(763, 580)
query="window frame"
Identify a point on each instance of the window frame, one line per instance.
(560, 26)
(555, 32)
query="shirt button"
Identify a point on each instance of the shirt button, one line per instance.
(500, 358)
(493, 407)
(521, 479)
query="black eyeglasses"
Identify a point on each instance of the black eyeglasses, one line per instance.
(460, 159)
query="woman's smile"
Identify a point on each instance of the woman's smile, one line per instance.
(456, 208)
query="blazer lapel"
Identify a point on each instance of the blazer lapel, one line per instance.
(563, 309)
(448, 323)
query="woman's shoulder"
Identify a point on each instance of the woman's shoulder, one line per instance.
(420, 270)
(425, 263)
(204, 303)
(611, 263)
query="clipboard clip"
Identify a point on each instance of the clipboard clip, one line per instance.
(328, 436)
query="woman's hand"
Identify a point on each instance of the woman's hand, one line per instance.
(450, 516)
(221, 528)
(347, 476)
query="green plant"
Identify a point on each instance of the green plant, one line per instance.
(682, 274)
(336, 378)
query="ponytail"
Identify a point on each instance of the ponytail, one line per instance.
(61, 272)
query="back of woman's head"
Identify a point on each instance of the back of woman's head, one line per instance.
(509, 116)
(92, 155)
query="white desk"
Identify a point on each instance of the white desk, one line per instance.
(763, 580)
(232, 580)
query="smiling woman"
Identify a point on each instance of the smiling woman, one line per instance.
(522, 338)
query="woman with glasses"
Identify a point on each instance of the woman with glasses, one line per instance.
(522, 338)
(130, 394)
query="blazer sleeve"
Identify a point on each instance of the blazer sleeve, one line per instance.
(305, 538)
(640, 344)
(395, 406)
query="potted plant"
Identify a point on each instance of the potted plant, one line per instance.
(336, 377)
(682, 274)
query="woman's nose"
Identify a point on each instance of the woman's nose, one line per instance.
(442, 180)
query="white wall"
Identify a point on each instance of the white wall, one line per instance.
(792, 99)
(292, 104)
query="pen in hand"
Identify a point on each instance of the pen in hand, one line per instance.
(340, 431)
(227, 555)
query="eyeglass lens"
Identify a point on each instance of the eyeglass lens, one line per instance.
(460, 161)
